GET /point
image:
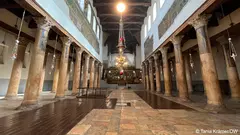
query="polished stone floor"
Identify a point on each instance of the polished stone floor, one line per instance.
(133, 116)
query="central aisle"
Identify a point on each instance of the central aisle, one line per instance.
(141, 119)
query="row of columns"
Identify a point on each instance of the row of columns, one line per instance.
(36, 74)
(183, 74)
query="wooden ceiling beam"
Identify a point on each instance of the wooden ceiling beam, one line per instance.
(125, 15)
(125, 29)
(9, 6)
(104, 23)
(143, 4)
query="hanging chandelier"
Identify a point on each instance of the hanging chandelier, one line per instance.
(121, 59)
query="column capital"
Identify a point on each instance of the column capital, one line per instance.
(150, 61)
(87, 56)
(223, 40)
(43, 23)
(23, 41)
(79, 49)
(200, 21)
(156, 56)
(164, 49)
(176, 40)
(66, 41)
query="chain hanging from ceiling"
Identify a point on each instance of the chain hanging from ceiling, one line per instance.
(15, 48)
(232, 50)
(121, 59)
(54, 56)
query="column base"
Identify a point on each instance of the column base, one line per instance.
(216, 108)
(168, 95)
(184, 99)
(29, 105)
(59, 98)
(10, 97)
(74, 94)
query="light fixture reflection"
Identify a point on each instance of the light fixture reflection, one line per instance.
(121, 7)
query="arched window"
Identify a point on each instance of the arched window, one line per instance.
(89, 13)
(161, 3)
(94, 24)
(149, 22)
(81, 4)
(154, 11)
(145, 31)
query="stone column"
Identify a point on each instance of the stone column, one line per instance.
(77, 71)
(96, 75)
(92, 71)
(36, 63)
(209, 72)
(166, 72)
(85, 71)
(151, 76)
(17, 70)
(99, 76)
(143, 76)
(43, 73)
(232, 72)
(188, 72)
(147, 75)
(56, 74)
(180, 70)
(157, 72)
(63, 67)
(68, 77)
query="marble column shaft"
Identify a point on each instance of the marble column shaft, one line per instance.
(96, 75)
(151, 76)
(231, 68)
(63, 68)
(56, 74)
(188, 72)
(143, 76)
(147, 75)
(85, 71)
(157, 72)
(180, 69)
(68, 76)
(99, 76)
(209, 72)
(17, 70)
(36, 63)
(43, 73)
(77, 71)
(92, 71)
(166, 72)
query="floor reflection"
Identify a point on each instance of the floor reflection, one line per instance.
(55, 118)
(158, 102)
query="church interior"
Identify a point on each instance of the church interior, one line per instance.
(119, 67)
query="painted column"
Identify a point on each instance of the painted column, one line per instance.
(180, 70)
(143, 76)
(56, 74)
(17, 70)
(77, 71)
(157, 72)
(209, 72)
(85, 71)
(36, 63)
(63, 68)
(147, 75)
(232, 72)
(99, 76)
(92, 71)
(188, 72)
(43, 73)
(166, 72)
(151, 76)
(96, 75)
